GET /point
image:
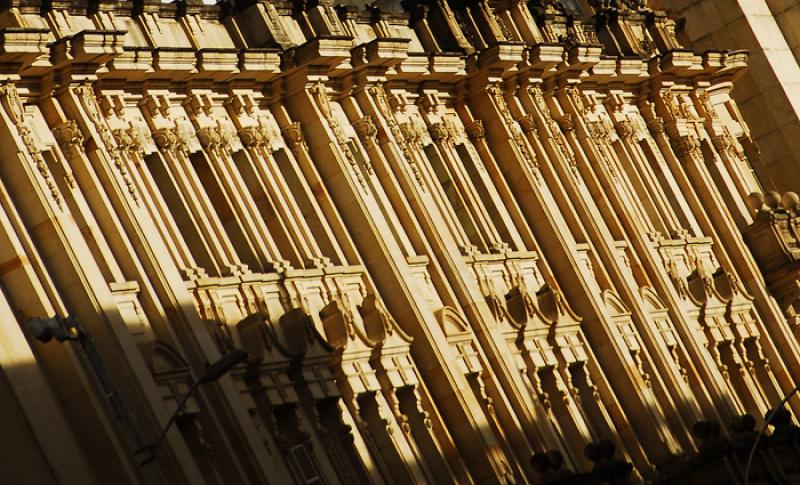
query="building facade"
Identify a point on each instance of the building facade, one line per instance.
(768, 94)
(449, 235)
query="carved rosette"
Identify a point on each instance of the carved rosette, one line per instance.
(9, 98)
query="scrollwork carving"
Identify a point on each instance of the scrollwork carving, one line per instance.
(165, 138)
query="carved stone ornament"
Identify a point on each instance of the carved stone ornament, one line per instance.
(475, 130)
(366, 129)
(688, 145)
(252, 137)
(165, 138)
(123, 139)
(527, 123)
(626, 130)
(9, 98)
(439, 132)
(656, 126)
(293, 136)
(12, 103)
(68, 136)
(566, 123)
(211, 138)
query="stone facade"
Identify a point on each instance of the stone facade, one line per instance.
(768, 95)
(449, 235)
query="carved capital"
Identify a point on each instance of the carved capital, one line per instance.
(656, 126)
(165, 138)
(252, 137)
(475, 130)
(366, 129)
(410, 132)
(439, 132)
(68, 136)
(211, 138)
(626, 130)
(293, 135)
(566, 123)
(688, 145)
(527, 123)
(721, 142)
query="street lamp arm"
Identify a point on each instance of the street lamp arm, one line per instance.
(212, 373)
(182, 404)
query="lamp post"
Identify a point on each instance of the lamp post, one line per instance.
(68, 329)
(211, 374)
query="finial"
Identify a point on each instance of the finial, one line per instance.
(791, 202)
(755, 201)
(773, 201)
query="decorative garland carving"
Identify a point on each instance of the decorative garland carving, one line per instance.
(90, 104)
(323, 103)
(530, 158)
(9, 96)
(401, 133)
